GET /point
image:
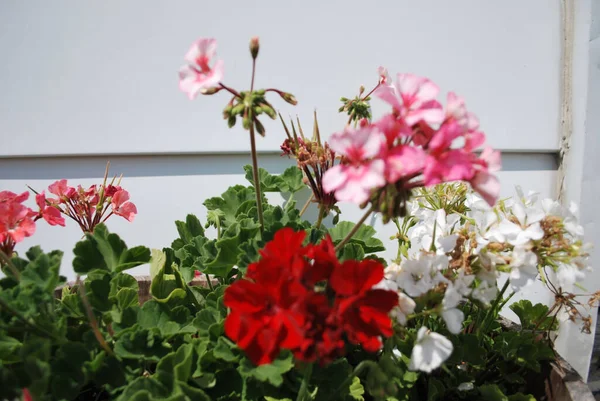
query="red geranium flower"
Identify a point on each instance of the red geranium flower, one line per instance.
(301, 298)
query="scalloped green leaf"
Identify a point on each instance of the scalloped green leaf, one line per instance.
(364, 236)
(106, 251)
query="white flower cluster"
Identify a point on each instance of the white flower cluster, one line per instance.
(453, 246)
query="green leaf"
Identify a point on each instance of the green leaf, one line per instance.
(291, 180)
(357, 390)
(9, 348)
(271, 373)
(157, 262)
(352, 252)
(169, 321)
(231, 201)
(521, 397)
(68, 377)
(106, 251)
(223, 350)
(435, 390)
(492, 392)
(141, 345)
(364, 236)
(472, 352)
(268, 182)
(532, 316)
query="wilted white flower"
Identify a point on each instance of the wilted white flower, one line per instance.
(430, 351)
(466, 386)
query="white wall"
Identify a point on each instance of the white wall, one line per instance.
(86, 82)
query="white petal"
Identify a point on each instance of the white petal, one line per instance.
(453, 318)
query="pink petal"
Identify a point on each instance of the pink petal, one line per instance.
(403, 161)
(487, 185)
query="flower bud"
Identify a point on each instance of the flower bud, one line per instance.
(288, 97)
(254, 47)
(210, 91)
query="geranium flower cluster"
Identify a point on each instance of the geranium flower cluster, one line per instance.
(88, 207)
(17, 221)
(302, 298)
(454, 247)
(417, 144)
(314, 158)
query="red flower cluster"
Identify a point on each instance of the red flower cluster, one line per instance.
(302, 298)
(88, 207)
(17, 221)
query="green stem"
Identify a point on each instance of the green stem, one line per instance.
(91, 318)
(303, 393)
(489, 316)
(354, 229)
(4, 259)
(256, 180)
(209, 282)
(306, 205)
(321, 215)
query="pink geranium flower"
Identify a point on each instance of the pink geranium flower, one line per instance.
(484, 182)
(453, 165)
(16, 222)
(61, 189)
(197, 74)
(47, 212)
(413, 98)
(121, 206)
(403, 161)
(354, 180)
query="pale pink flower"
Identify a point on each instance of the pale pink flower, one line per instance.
(453, 165)
(197, 74)
(393, 128)
(354, 180)
(484, 182)
(403, 161)
(456, 112)
(121, 206)
(384, 76)
(49, 213)
(354, 183)
(413, 98)
(357, 145)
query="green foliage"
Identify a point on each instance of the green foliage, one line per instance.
(364, 236)
(534, 316)
(96, 340)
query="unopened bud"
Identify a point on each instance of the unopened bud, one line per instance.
(291, 99)
(254, 47)
(210, 91)
(362, 89)
(231, 121)
(259, 128)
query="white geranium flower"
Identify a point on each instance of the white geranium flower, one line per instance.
(453, 316)
(485, 293)
(466, 386)
(523, 268)
(570, 216)
(434, 223)
(507, 231)
(418, 276)
(568, 274)
(406, 306)
(430, 351)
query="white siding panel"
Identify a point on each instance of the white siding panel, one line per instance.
(101, 77)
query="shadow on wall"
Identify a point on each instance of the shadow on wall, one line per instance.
(77, 167)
